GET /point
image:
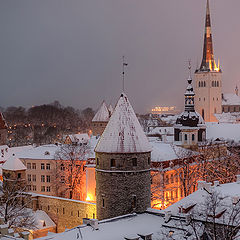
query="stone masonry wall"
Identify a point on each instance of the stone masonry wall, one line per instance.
(98, 128)
(66, 213)
(125, 188)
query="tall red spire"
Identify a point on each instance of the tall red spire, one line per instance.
(208, 62)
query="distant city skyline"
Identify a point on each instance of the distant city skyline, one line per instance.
(71, 51)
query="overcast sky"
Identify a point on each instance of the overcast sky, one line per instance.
(72, 50)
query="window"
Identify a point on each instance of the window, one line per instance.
(185, 137)
(48, 166)
(34, 166)
(199, 85)
(176, 193)
(167, 179)
(34, 188)
(134, 162)
(29, 177)
(113, 162)
(19, 175)
(63, 210)
(172, 180)
(48, 207)
(193, 137)
(199, 99)
(103, 202)
(149, 161)
(78, 214)
(176, 178)
(62, 167)
(42, 166)
(42, 178)
(204, 84)
(134, 202)
(42, 188)
(213, 99)
(29, 188)
(48, 189)
(28, 165)
(48, 178)
(93, 216)
(62, 179)
(212, 83)
(34, 178)
(97, 161)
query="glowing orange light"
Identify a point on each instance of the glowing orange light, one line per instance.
(89, 198)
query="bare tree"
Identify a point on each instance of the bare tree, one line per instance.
(14, 205)
(71, 159)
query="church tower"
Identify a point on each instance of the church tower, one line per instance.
(123, 158)
(208, 78)
(190, 127)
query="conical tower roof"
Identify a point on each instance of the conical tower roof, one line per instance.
(123, 133)
(208, 62)
(3, 124)
(110, 108)
(102, 114)
(13, 164)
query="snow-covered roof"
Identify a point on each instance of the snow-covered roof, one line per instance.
(41, 152)
(110, 109)
(226, 131)
(151, 223)
(13, 163)
(102, 114)
(164, 151)
(230, 99)
(226, 193)
(123, 133)
(79, 137)
(42, 220)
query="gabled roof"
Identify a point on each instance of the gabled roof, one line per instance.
(14, 164)
(3, 124)
(230, 99)
(123, 133)
(102, 114)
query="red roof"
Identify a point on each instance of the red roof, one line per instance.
(3, 124)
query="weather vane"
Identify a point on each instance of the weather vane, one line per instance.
(124, 64)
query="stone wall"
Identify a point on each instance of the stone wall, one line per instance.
(125, 187)
(66, 213)
(98, 128)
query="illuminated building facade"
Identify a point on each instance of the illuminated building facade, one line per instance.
(208, 79)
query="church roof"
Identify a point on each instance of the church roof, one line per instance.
(3, 124)
(123, 133)
(110, 109)
(14, 164)
(230, 99)
(102, 114)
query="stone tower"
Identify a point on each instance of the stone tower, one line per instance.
(123, 158)
(14, 172)
(3, 130)
(100, 120)
(208, 78)
(190, 128)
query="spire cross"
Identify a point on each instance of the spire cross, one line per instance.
(124, 64)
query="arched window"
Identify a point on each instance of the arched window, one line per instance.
(193, 137)
(199, 84)
(204, 84)
(212, 83)
(217, 83)
(185, 137)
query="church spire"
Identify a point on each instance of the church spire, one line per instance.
(208, 62)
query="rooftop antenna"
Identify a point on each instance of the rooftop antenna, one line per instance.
(124, 64)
